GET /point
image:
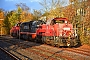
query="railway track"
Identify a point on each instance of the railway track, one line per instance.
(83, 52)
(9, 54)
(53, 54)
(46, 52)
(73, 53)
(43, 53)
(12, 51)
(81, 49)
(44, 56)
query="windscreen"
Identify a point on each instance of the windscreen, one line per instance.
(59, 21)
(24, 27)
(35, 25)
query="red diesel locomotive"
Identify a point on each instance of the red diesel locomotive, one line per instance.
(56, 32)
(15, 30)
(26, 30)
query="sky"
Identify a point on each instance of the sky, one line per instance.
(9, 5)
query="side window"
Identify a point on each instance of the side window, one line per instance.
(52, 22)
(33, 23)
(26, 27)
(18, 24)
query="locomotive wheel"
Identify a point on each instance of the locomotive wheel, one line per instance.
(43, 39)
(47, 40)
(17, 34)
(57, 45)
(35, 40)
(52, 43)
(71, 43)
(29, 37)
(12, 34)
(68, 43)
(25, 37)
(21, 36)
(64, 42)
(58, 42)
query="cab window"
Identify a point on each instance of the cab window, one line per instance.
(59, 21)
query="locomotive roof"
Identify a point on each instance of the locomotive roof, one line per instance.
(60, 19)
(33, 21)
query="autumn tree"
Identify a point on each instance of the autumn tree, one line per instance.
(6, 22)
(86, 24)
(2, 27)
(36, 14)
(69, 12)
(13, 17)
(21, 14)
(25, 14)
(52, 8)
(81, 19)
(1, 17)
(1, 14)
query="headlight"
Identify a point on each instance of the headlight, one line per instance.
(75, 34)
(60, 34)
(66, 28)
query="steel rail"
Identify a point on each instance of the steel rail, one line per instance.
(10, 54)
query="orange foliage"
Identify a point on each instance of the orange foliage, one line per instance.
(87, 17)
(26, 16)
(69, 12)
(1, 15)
